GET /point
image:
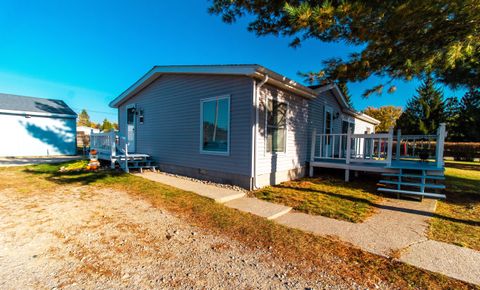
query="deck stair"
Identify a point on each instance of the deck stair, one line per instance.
(413, 182)
(135, 161)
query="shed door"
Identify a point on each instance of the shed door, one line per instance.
(131, 125)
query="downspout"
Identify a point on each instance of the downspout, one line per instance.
(255, 126)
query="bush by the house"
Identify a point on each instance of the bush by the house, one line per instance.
(462, 151)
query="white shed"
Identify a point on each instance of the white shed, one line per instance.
(36, 127)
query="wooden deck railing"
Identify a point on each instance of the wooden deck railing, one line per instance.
(104, 143)
(377, 148)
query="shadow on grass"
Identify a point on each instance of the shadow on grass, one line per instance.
(464, 166)
(51, 172)
(385, 207)
(341, 196)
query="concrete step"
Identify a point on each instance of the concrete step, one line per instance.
(416, 193)
(428, 185)
(259, 207)
(437, 177)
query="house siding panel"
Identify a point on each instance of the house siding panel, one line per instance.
(273, 168)
(316, 113)
(171, 130)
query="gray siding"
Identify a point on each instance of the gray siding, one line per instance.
(297, 126)
(171, 130)
(316, 113)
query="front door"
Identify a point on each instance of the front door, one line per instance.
(131, 126)
(327, 130)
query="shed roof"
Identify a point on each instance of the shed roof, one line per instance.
(30, 105)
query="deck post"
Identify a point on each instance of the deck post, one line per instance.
(399, 144)
(126, 156)
(390, 146)
(312, 151)
(349, 146)
(113, 149)
(441, 134)
(348, 153)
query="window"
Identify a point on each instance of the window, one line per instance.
(276, 126)
(346, 125)
(215, 123)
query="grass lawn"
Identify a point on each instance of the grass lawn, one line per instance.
(457, 219)
(310, 254)
(327, 196)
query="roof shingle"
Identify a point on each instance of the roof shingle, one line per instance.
(34, 105)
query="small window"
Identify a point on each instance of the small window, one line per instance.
(215, 123)
(130, 115)
(276, 126)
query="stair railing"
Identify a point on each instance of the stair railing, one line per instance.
(414, 147)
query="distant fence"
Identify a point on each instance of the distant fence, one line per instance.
(83, 140)
(462, 151)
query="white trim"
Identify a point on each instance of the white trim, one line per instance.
(39, 114)
(202, 151)
(129, 106)
(344, 104)
(362, 117)
(280, 100)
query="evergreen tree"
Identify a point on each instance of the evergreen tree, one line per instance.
(395, 39)
(387, 115)
(84, 119)
(344, 89)
(106, 126)
(424, 112)
(469, 116)
(452, 117)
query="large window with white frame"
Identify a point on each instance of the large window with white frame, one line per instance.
(215, 125)
(276, 126)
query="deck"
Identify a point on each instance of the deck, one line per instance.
(395, 165)
(398, 158)
(114, 148)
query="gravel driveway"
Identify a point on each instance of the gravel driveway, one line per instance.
(76, 238)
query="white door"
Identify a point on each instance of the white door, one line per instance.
(327, 129)
(131, 126)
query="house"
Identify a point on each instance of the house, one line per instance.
(239, 124)
(36, 127)
(87, 130)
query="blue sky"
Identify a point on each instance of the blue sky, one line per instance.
(88, 52)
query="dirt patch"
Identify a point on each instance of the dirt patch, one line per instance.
(82, 238)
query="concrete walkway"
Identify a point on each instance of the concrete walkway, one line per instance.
(216, 193)
(23, 161)
(399, 227)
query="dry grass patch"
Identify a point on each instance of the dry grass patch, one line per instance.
(311, 255)
(326, 196)
(457, 219)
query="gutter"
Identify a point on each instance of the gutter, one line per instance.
(37, 114)
(255, 127)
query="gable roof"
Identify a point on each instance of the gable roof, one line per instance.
(251, 70)
(342, 100)
(13, 104)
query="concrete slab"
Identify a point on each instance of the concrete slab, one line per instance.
(218, 194)
(23, 161)
(450, 260)
(396, 225)
(259, 207)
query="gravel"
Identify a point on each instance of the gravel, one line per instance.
(221, 185)
(89, 238)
